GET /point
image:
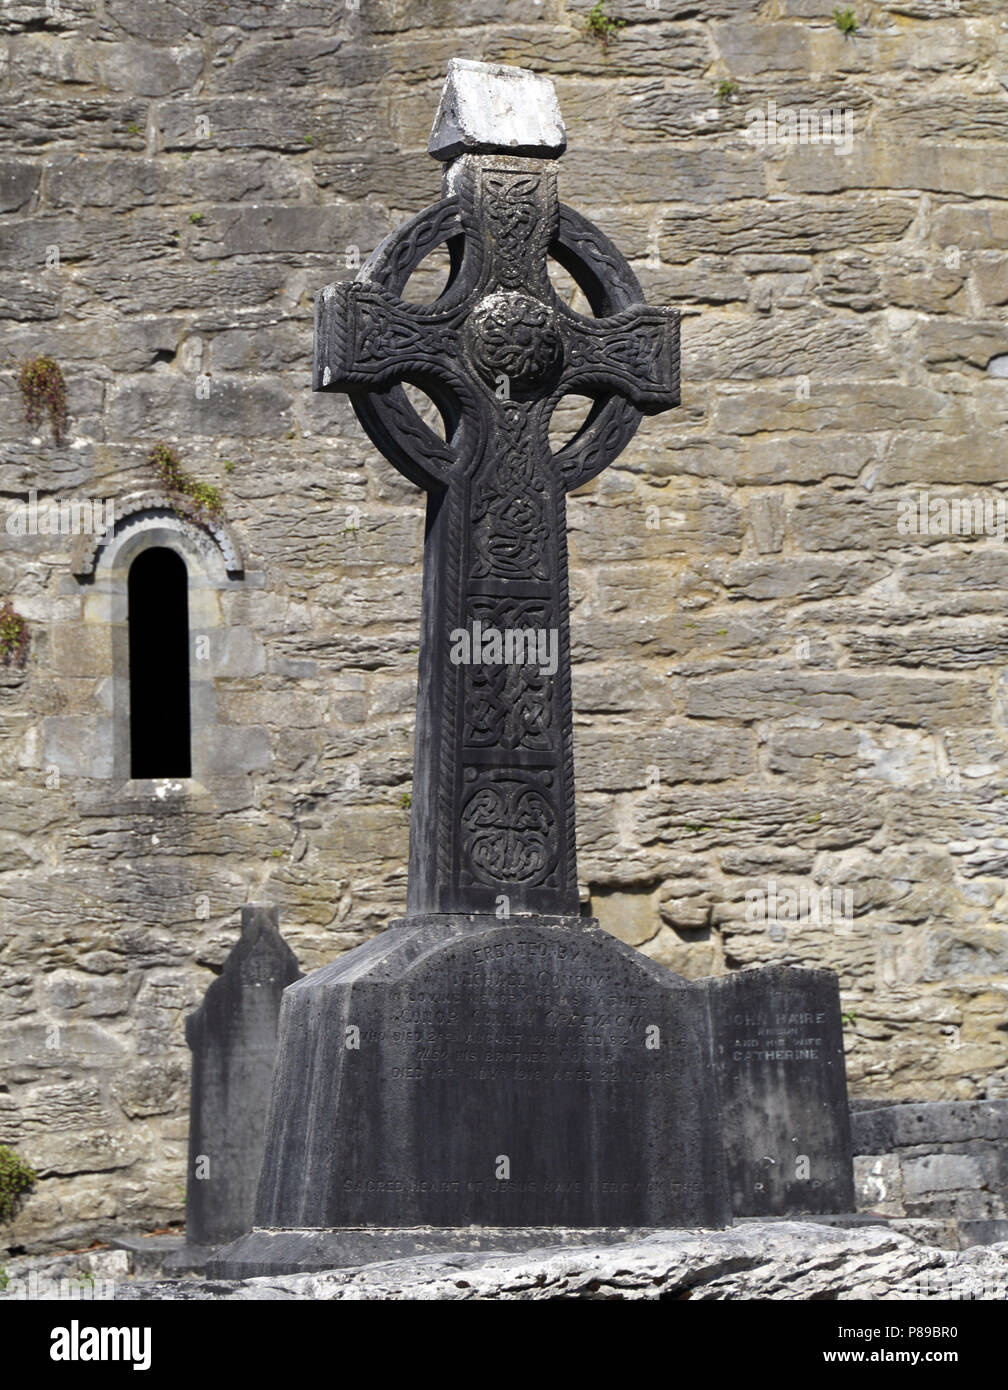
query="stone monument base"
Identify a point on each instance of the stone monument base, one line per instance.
(469, 1083)
(469, 1071)
(296, 1252)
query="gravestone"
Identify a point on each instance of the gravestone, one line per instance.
(232, 1036)
(493, 1063)
(779, 1052)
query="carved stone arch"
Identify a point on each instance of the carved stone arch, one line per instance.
(98, 745)
(141, 513)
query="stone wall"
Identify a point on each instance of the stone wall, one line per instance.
(773, 685)
(938, 1169)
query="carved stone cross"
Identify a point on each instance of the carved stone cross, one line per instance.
(492, 821)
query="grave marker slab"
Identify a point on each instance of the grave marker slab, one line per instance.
(497, 1073)
(779, 1051)
(232, 1036)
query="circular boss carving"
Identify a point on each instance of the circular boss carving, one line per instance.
(515, 336)
(609, 284)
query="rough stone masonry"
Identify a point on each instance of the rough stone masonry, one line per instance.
(774, 684)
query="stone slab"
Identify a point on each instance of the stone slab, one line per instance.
(993, 1231)
(149, 1254)
(778, 1045)
(189, 1259)
(487, 108)
(459, 1070)
(233, 1040)
(882, 1129)
(790, 1261)
(263, 1252)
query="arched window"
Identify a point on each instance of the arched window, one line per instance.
(159, 665)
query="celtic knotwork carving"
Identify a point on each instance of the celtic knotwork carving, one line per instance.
(603, 436)
(509, 703)
(382, 339)
(493, 784)
(514, 338)
(510, 528)
(399, 254)
(509, 833)
(380, 333)
(633, 351)
(512, 210)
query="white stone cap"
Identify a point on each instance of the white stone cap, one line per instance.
(486, 108)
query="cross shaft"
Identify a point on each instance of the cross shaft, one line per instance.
(492, 826)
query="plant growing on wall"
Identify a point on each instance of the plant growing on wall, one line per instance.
(846, 22)
(206, 498)
(14, 636)
(43, 390)
(602, 26)
(16, 1178)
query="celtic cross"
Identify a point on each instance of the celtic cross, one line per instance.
(492, 819)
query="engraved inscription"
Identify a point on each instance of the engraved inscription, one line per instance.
(769, 1037)
(593, 1037)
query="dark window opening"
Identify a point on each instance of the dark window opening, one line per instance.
(159, 665)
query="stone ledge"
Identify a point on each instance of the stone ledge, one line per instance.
(779, 1260)
(905, 1125)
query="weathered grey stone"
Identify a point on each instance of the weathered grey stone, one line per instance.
(742, 351)
(766, 516)
(643, 48)
(784, 226)
(131, 68)
(313, 60)
(610, 762)
(485, 107)
(885, 1128)
(930, 702)
(941, 1173)
(438, 1008)
(290, 231)
(152, 19)
(937, 168)
(153, 406)
(645, 176)
(785, 1260)
(230, 752)
(281, 1252)
(295, 125)
(959, 344)
(74, 180)
(778, 1044)
(90, 122)
(146, 236)
(18, 181)
(233, 1040)
(848, 272)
